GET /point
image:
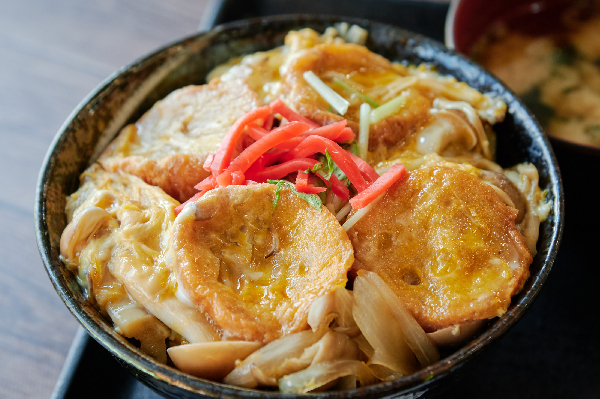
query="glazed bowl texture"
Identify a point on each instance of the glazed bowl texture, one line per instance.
(126, 95)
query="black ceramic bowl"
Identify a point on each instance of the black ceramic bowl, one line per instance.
(131, 91)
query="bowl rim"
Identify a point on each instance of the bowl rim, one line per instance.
(414, 383)
(450, 42)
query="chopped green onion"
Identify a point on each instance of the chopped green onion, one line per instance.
(312, 199)
(363, 130)
(388, 109)
(339, 103)
(358, 93)
(428, 378)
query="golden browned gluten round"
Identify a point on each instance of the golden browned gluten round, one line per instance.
(447, 244)
(363, 70)
(253, 267)
(167, 147)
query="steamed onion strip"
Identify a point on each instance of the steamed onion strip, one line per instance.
(211, 360)
(333, 346)
(320, 374)
(334, 307)
(344, 302)
(129, 318)
(392, 90)
(381, 329)
(273, 360)
(413, 333)
(364, 346)
(472, 116)
(451, 88)
(322, 312)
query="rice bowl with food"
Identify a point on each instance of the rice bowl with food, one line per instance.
(346, 222)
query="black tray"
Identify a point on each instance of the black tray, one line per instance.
(552, 352)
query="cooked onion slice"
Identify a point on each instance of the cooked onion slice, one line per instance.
(455, 335)
(322, 312)
(320, 374)
(82, 227)
(357, 35)
(335, 305)
(472, 116)
(381, 329)
(274, 360)
(413, 333)
(211, 360)
(333, 346)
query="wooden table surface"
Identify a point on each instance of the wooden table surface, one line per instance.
(52, 54)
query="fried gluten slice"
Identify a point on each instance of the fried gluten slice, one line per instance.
(169, 144)
(255, 268)
(118, 231)
(447, 244)
(362, 70)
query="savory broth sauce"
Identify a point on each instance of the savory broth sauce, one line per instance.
(551, 58)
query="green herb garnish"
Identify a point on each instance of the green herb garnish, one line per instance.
(325, 168)
(354, 91)
(337, 172)
(312, 199)
(330, 109)
(330, 169)
(428, 378)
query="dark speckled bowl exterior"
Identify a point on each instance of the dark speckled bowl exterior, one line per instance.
(131, 91)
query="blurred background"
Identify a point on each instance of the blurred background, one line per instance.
(54, 52)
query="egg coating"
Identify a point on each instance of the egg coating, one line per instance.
(446, 244)
(167, 147)
(253, 267)
(360, 68)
